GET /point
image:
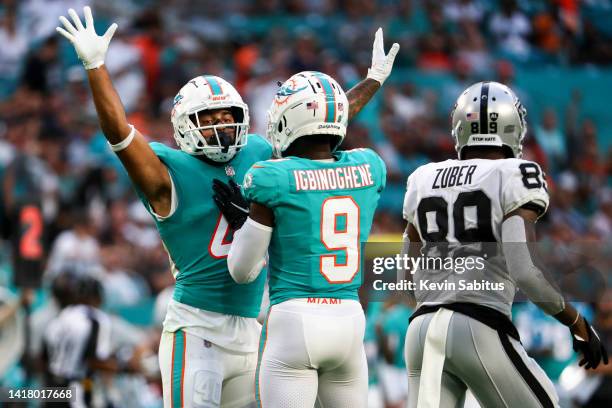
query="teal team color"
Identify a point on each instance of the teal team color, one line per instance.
(323, 211)
(196, 237)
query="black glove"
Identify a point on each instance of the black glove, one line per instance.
(230, 201)
(592, 349)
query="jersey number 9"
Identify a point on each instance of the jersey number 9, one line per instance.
(340, 232)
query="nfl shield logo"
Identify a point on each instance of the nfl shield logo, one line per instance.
(229, 171)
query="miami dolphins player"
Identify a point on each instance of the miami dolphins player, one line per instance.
(208, 350)
(311, 208)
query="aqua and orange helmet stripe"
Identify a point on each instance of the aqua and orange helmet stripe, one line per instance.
(214, 85)
(330, 97)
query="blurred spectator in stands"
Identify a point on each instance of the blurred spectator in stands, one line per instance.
(470, 46)
(403, 152)
(150, 41)
(28, 178)
(601, 222)
(141, 231)
(588, 158)
(569, 15)
(122, 287)
(41, 72)
(571, 117)
(404, 102)
(506, 74)
(463, 11)
(14, 48)
(391, 327)
(552, 140)
(245, 58)
(40, 16)
(123, 64)
(510, 28)
(434, 53)
(594, 46)
(547, 35)
(260, 90)
(305, 53)
(461, 79)
(388, 222)
(76, 247)
(564, 213)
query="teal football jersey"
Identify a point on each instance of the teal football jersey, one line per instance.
(322, 213)
(197, 237)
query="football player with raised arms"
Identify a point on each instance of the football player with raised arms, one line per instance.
(489, 198)
(310, 209)
(208, 350)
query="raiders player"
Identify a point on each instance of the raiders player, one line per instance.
(460, 339)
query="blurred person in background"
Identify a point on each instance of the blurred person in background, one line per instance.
(601, 222)
(552, 140)
(463, 11)
(510, 28)
(75, 247)
(566, 198)
(77, 343)
(14, 47)
(391, 327)
(41, 69)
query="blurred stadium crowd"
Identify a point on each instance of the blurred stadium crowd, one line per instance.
(557, 55)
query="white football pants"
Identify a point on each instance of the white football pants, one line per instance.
(198, 374)
(312, 350)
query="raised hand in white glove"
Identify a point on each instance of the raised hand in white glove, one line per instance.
(381, 64)
(90, 47)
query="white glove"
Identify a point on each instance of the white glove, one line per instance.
(381, 63)
(90, 47)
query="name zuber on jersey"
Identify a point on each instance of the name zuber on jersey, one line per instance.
(334, 178)
(453, 176)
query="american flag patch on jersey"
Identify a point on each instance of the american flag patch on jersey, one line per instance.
(472, 116)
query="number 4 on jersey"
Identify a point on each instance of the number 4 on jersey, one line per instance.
(221, 240)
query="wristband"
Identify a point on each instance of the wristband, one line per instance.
(125, 142)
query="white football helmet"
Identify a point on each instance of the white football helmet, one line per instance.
(204, 93)
(489, 114)
(308, 103)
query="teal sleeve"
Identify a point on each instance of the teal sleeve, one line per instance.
(263, 184)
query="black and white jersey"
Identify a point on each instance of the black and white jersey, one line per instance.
(79, 332)
(456, 202)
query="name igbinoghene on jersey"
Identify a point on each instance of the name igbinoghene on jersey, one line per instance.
(483, 206)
